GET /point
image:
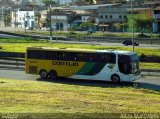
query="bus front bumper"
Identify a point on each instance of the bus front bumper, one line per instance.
(134, 78)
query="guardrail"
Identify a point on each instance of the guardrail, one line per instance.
(12, 59)
(151, 72)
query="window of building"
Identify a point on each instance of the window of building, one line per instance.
(120, 16)
(111, 16)
(101, 16)
(106, 16)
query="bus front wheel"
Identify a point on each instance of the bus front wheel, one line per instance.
(53, 74)
(43, 74)
(115, 78)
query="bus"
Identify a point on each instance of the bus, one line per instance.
(105, 65)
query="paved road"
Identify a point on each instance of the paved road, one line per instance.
(148, 82)
(112, 44)
(106, 43)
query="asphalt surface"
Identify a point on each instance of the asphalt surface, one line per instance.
(106, 43)
(147, 82)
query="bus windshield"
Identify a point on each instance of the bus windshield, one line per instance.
(128, 64)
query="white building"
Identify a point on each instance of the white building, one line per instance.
(40, 2)
(23, 19)
(64, 2)
(24, 2)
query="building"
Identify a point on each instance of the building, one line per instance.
(64, 2)
(109, 17)
(156, 26)
(5, 6)
(22, 18)
(30, 2)
(61, 18)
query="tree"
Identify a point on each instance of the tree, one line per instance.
(7, 19)
(86, 25)
(144, 23)
(121, 26)
(49, 2)
(89, 1)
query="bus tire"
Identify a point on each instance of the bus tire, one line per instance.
(115, 78)
(43, 74)
(52, 74)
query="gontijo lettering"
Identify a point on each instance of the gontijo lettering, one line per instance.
(65, 63)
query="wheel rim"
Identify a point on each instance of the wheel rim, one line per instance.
(43, 74)
(53, 74)
(115, 79)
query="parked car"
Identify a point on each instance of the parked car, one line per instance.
(129, 42)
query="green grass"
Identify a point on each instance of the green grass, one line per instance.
(85, 33)
(144, 65)
(19, 96)
(21, 47)
(20, 40)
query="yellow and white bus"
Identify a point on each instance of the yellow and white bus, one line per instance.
(106, 65)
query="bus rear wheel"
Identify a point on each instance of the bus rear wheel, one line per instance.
(52, 74)
(43, 74)
(115, 78)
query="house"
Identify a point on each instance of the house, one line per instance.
(109, 17)
(63, 2)
(156, 25)
(22, 18)
(5, 7)
(29, 2)
(61, 18)
(92, 12)
(109, 1)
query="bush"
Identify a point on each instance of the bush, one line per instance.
(72, 33)
(143, 36)
(1, 48)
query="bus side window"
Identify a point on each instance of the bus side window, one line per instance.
(108, 58)
(81, 57)
(52, 55)
(73, 56)
(64, 56)
(113, 58)
(89, 57)
(41, 55)
(92, 57)
(36, 55)
(67, 56)
(30, 55)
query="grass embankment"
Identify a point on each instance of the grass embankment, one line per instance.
(145, 65)
(19, 96)
(21, 47)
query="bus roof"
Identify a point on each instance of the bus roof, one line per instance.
(81, 50)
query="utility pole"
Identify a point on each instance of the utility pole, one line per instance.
(57, 24)
(2, 22)
(50, 15)
(38, 20)
(15, 23)
(132, 26)
(25, 23)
